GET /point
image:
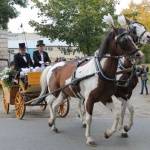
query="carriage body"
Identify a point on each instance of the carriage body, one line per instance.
(20, 95)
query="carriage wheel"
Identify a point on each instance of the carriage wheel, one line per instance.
(20, 108)
(64, 108)
(43, 106)
(6, 105)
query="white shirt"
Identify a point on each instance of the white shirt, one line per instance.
(24, 57)
(42, 58)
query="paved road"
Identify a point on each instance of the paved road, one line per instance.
(34, 134)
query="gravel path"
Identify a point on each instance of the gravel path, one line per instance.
(141, 104)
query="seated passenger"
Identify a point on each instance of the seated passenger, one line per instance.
(21, 60)
(40, 57)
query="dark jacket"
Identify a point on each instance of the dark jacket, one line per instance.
(37, 58)
(19, 62)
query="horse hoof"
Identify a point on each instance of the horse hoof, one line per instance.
(124, 135)
(126, 129)
(84, 125)
(55, 130)
(106, 135)
(50, 123)
(92, 144)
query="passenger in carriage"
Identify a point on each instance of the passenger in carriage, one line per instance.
(21, 60)
(40, 57)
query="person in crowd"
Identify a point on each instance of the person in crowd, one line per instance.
(56, 60)
(144, 78)
(40, 57)
(63, 59)
(21, 60)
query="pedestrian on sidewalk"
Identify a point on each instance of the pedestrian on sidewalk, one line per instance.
(144, 78)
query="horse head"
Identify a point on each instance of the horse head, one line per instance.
(119, 43)
(137, 30)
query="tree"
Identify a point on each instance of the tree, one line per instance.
(77, 22)
(139, 12)
(8, 10)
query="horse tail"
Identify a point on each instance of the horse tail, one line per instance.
(43, 81)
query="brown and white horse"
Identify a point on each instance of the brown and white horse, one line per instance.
(140, 36)
(101, 84)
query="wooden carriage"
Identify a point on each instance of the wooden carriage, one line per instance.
(20, 95)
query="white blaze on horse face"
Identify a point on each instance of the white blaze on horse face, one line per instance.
(51, 70)
(145, 39)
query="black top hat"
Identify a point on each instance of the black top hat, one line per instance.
(22, 45)
(40, 42)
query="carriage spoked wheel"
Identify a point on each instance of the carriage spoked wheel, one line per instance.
(43, 105)
(6, 105)
(64, 108)
(20, 108)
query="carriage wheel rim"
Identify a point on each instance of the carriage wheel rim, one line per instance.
(43, 107)
(63, 109)
(19, 106)
(5, 104)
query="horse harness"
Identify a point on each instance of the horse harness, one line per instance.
(131, 30)
(74, 85)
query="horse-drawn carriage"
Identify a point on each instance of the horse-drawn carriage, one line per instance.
(24, 93)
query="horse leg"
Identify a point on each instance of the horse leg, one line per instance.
(110, 105)
(89, 110)
(50, 100)
(55, 106)
(122, 114)
(130, 123)
(81, 113)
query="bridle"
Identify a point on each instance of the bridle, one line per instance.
(127, 55)
(132, 31)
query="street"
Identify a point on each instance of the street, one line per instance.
(35, 134)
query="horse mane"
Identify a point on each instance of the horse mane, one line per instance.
(105, 46)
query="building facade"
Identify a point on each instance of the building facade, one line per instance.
(3, 47)
(55, 49)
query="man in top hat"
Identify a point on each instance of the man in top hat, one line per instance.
(40, 57)
(22, 59)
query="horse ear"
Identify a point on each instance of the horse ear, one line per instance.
(115, 30)
(127, 21)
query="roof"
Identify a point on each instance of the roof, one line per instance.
(33, 43)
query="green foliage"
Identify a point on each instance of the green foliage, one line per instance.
(6, 77)
(139, 11)
(77, 22)
(146, 50)
(8, 10)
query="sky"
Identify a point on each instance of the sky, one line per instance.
(27, 14)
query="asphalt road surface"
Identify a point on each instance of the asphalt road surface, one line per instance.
(35, 134)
